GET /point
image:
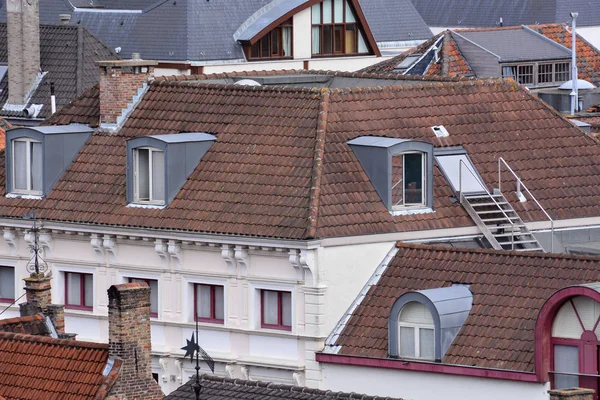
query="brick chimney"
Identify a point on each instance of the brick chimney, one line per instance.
(23, 35)
(571, 394)
(129, 340)
(120, 82)
(38, 293)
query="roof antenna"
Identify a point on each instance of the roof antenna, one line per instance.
(192, 347)
(574, 91)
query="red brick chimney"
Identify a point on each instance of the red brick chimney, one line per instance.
(38, 293)
(571, 394)
(121, 82)
(129, 340)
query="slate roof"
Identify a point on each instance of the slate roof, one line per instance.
(30, 325)
(477, 13)
(264, 176)
(59, 54)
(190, 30)
(216, 388)
(509, 289)
(58, 368)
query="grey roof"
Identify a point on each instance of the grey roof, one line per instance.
(487, 13)
(194, 30)
(185, 137)
(264, 17)
(376, 141)
(531, 45)
(59, 129)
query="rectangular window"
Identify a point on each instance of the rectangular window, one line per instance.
(209, 303)
(525, 74)
(566, 359)
(562, 72)
(408, 180)
(275, 44)
(27, 166)
(153, 283)
(7, 284)
(545, 74)
(149, 172)
(276, 310)
(79, 291)
(335, 30)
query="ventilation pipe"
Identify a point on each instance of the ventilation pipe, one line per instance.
(52, 98)
(64, 19)
(574, 91)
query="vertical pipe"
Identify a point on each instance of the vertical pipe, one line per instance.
(574, 91)
(52, 98)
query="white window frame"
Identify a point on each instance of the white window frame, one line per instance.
(28, 171)
(417, 340)
(59, 283)
(136, 182)
(423, 203)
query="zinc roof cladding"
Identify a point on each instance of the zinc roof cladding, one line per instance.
(30, 325)
(59, 368)
(216, 388)
(59, 55)
(394, 20)
(264, 17)
(256, 179)
(509, 289)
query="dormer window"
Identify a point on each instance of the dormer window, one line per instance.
(27, 166)
(416, 331)
(149, 173)
(408, 180)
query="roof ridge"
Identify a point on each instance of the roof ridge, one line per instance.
(317, 172)
(57, 341)
(27, 318)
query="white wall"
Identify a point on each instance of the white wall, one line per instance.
(302, 35)
(591, 34)
(426, 386)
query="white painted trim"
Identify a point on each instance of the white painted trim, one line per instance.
(106, 11)
(254, 289)
(24, 196)
(188, 297)
(59, 283)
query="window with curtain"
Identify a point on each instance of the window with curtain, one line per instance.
(335, 29)
(209, 303)
(149, 173)
(7, 284)
(276, 309)
(79, 291)
(416, 332)
(275, 44)
(27, 166)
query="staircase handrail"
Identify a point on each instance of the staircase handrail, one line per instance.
(519, 184)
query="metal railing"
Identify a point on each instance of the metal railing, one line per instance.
(461, 163)
(521, 196)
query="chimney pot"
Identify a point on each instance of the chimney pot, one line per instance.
(64, 19)
(136, 56)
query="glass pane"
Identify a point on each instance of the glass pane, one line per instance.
(286, 308)
(286, 33)
(338, 11)
(270, 304)
(566, 359)
(73, 289)
(203, 301)
(397, 186)
(89, 290)
(327, 39)
(316, 40)
(275, 41)
(338, 35)
(327, 11)
(20, 165)
(413, 178)
(36, 166)
(407, 341)
(362, 45)
(255, 50)
(316, 14)
(153, 296)
(426, 346)
(7, 283)
(459, 170)
(265, 44)
(350, 46)
(143, 171)
(349, 13)
(158, 175)
(219, 303)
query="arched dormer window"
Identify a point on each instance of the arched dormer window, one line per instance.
(275, 44)
(416, 332)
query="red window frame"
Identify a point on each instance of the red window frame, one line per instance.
(280, 325)
(213, 319)
(131, 279)
(82, 305)
(7, 299)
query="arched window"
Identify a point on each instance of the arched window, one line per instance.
(416, 331)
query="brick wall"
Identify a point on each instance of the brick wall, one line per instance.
(571, 394)
(129, 339)
(38, 293)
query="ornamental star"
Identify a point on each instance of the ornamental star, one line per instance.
(190, 348)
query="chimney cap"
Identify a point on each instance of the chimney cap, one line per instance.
(64, 18)
(126, 63)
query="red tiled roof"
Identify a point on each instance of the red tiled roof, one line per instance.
(509, 288)
(85, 109)
(265, 175)
(30, 325)
(4, 125)
(58, 368)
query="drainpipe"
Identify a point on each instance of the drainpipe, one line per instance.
(574, 91)
(52, 98)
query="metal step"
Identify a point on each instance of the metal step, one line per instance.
(481, 196)
(498, 219)
(506, 226)
(489, 204)
(531, 249)
(515, 233)
(519, 242)
(495, 212)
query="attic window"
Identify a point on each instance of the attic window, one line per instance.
(149, 172)
(335, 29)
(27, 166)
(408, 180)
(416, 331)
(275, 44)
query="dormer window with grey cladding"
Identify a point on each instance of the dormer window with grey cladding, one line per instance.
(36, 157)
(401, 170)
(159, 165)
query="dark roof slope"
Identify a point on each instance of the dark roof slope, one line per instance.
(216, 388)
(59, 57)
(85, 109)
(509, 288)
(58, 368)
(30, 325)
(394, 20)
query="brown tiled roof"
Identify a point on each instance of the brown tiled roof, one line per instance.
(256, 179)
(509, 288)
(35, 367)
(30, 325)
(85, 109)
(216, 388)
(4, 125)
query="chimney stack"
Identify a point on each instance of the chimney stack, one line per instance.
(23, 36)
(129, 340)
(121, 81)
(38, 292)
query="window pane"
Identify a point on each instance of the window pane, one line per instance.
(509, 72)
(338, 35)
(153, 296)
(407, 341)
(544, 73)
(275, 41)
(219, 303)
(7, 283)
(265, 44)
(73, 289)
(143, 175)
(413, 178)
(255, 50)
(362, 45)
(158, 175)
(327, 39)
(397, 186)
(270, 305)
(286, 39)
(89, 290)
(338, 10)
(350, 45)
(316, 40)
(566, 359)
(426, 347)
(286, 308)
(20, 165)
(327, 11)
(316, 14)
(349, 13)
(36, 166)
(203, 301)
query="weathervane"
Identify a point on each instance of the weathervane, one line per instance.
(37, 263)
(192, 347)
